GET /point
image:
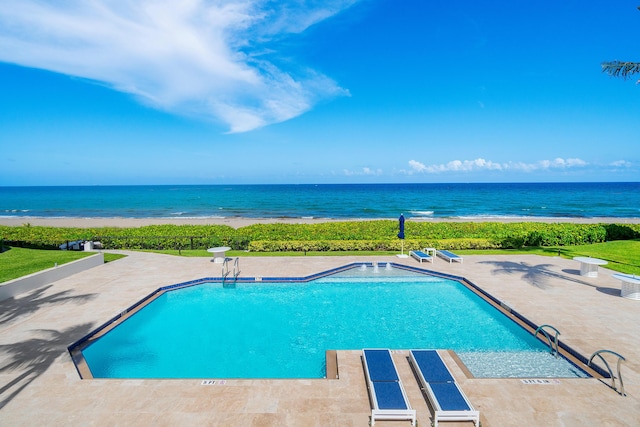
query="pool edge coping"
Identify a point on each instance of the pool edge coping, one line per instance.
(573, 356)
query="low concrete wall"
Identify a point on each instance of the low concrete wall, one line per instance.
(33, 281)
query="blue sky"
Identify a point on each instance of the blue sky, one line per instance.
(333, 91)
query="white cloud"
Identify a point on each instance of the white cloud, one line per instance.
(363, 172)
(488, 165)
(621, 164)
(417, 166)
(194, 57)
(559, 163)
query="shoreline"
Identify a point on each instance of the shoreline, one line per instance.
(238, 222)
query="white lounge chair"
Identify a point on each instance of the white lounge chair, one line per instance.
(421, 256)
(387, 394)
(447, 399)
(449, 256)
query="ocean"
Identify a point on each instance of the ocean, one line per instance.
(347, 201)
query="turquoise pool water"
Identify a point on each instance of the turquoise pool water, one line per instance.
(282, 330)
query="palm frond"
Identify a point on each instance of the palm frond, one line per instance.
(620, 68)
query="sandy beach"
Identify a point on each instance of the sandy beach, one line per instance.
(238, 222)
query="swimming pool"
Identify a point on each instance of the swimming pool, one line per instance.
(282, 329)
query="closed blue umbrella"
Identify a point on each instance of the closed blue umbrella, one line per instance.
(401, 234)
(401, 224)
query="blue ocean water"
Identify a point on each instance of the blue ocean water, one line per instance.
(493, 200)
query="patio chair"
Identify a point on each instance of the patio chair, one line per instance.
(421, 256)
(449, 256)
(386, 391)
(445, 396)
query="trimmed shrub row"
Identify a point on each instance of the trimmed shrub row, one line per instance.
(367, 245)
(328, 236)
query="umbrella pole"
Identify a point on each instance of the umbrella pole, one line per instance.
(402, 255)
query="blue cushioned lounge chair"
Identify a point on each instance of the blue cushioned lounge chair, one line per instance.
(387, 394)
(421, 256)
(449, 256)
(447, 399)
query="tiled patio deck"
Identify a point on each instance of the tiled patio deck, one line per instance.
(39, 384)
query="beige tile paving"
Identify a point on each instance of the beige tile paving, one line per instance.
(39, 383)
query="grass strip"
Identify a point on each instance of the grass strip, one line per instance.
(18, 262)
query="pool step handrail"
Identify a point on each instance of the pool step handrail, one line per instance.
(225, 270)
(236, 270)
(553, 343)
(613, 377)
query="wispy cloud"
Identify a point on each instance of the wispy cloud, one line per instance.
(487, 165)
(363, 172)
(193, 57)
(621, 164)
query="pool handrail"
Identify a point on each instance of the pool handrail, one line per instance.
(613, 377)
(553, 344)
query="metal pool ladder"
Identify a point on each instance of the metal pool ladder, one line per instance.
(613, 377)
(225, 270)
(553, 343)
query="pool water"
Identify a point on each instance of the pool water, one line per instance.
(282, 330)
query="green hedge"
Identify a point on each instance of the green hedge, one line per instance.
(328, 236)
(367, 245)
(41, 237)
(147, 237)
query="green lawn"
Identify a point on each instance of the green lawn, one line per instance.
(18, 262)
(622, 255)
